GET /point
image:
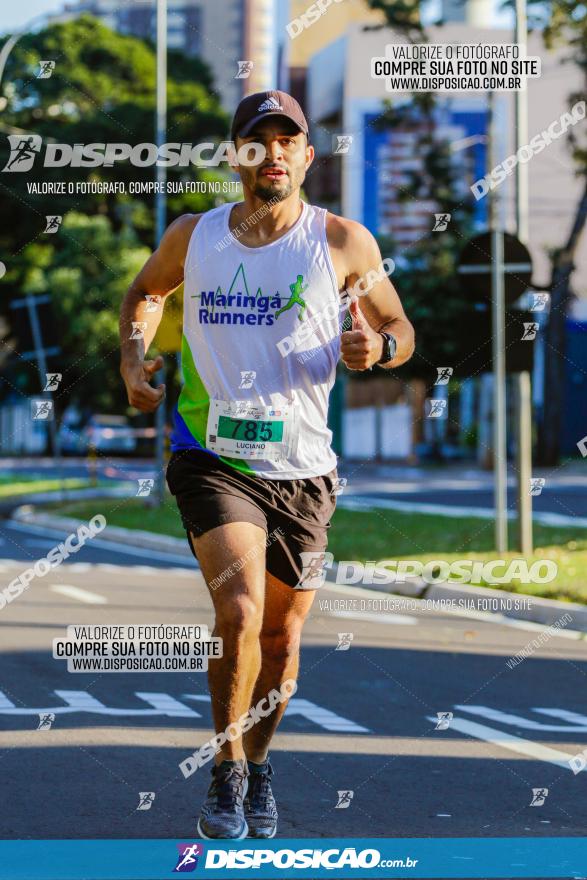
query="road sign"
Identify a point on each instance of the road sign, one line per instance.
(475, 263)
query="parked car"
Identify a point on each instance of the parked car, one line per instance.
(108, 433)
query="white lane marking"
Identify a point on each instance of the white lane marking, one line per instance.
(393, 619)
(571, 717)
(518, 720)
(369, 503)
(5, 703)
(77, 593)
(322, 717)
(82, 701)
(167, 704)
(507, 741)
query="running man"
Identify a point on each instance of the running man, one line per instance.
(252, 469)
(295, 299)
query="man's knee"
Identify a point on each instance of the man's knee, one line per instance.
(281, 644)
(239, 618)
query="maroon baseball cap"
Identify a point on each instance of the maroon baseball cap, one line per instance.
(255, 107)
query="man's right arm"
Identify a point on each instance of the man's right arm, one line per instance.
(160, 276)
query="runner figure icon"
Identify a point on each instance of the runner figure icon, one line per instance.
(295, 298)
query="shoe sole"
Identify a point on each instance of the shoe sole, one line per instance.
(206, 837)
(263, 836)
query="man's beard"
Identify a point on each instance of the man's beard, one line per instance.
(272, 192)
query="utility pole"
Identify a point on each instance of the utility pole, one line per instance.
(498, 349)
(523, 394)
(160, 204)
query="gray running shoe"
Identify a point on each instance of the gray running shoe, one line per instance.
(222, 815)
(260, 807)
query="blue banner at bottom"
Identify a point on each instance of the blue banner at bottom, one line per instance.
(367, 858)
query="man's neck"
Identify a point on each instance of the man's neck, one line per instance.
(264, 221)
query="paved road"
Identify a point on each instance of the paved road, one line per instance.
(363, 720)
(564, 492)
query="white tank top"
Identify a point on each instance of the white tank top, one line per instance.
(261, 326)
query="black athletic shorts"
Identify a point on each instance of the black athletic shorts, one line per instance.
(295, 514)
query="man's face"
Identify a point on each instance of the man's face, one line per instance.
(287, 157)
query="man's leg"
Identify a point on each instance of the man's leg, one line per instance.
(238, 606)
(283, 618)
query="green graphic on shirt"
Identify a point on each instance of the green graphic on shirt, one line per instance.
(295, 298)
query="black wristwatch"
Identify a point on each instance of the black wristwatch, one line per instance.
(389, 348)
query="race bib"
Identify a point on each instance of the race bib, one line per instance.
(239, 429)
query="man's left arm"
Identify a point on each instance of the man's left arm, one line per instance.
(377, 309)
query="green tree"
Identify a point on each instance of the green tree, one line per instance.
(86, 277)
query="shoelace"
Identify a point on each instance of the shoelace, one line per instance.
(260, 788)
(228, 787)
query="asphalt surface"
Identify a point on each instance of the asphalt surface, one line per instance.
(363, 720)
(452, 485)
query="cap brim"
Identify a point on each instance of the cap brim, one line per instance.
(247, 128)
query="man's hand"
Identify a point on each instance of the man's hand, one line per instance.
(362, 346)
(141, 393)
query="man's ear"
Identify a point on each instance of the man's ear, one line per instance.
(309, 155)
(231, 155)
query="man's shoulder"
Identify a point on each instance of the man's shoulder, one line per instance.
(343, 233)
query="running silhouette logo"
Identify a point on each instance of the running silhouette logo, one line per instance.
(189, 854)
(296, 290)
(23, 151)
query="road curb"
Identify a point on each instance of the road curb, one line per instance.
(481, 599)
(114, 534)
(488, 601)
